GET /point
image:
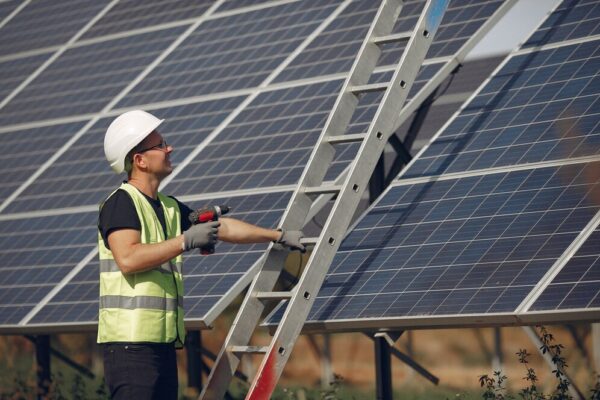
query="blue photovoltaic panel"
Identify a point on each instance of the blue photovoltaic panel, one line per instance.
(538, 107)
(233, 4)
(84, 79)
(81, 176)
(335, 49)
(453, 247)
(268, 144)
(6, 8)
(206, 278)
(27, 150)
(134, 14)
(233, 52)
(36, 254)
(577, 285)
(572, 19)
(15, 71)
(46, 23)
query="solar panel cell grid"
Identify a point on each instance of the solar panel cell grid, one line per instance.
(82, 177)
(84, 79)
(572, 19)
(132, 14)
(538, 107)
(7, 7)
(455, 247)
(334, 50)
(266, 145)
(29, 149)
(14, 72)
(234, 4)
(36, 255)
(232, 52)
(577, 285)
(46, 23)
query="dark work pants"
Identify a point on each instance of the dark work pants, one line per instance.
(140, 371)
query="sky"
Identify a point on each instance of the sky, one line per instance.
(514, 28)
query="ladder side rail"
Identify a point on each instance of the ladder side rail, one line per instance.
(251, 309)
(339, 219)
(341, 114)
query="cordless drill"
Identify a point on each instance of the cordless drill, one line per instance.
(206, 214)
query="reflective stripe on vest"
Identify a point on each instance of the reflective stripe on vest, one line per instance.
(147, 302)
(145, 306)
(166, 268)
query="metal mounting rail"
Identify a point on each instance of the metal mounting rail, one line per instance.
(275, 355)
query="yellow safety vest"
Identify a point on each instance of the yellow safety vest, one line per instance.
(145, 306)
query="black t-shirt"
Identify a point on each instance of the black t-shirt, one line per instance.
(118, 212)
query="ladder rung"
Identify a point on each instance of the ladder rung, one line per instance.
(355, 137)
(394, 37)
(309, 240)
(323, 189)
(273, 295)
(249, 349)
(371, 87)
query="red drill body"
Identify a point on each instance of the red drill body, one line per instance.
(202, 215)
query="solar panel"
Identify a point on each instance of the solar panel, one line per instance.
(131, 14)
(207, 278)
(455, 240)
(29, 149)
(232, 52)
(6, 8)
(334, 50)
(15, 71)
(46, 23)
(80, 177)
(577, 285)
(572, 19)
(86, 78)
(234, 4)
(538, 107)
(264, 148)
(457, 246)
(37, 253)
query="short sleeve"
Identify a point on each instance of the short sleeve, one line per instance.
(118, 212)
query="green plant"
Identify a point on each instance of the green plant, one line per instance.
(494, 386)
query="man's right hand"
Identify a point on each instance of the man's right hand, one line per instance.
(201, 235)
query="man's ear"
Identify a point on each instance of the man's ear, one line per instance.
(140, 161)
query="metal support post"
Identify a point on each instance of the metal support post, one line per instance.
(42, 357)
(326, 367)
(77, 367)
(383, 369)
(596, 346)
(498, 360)
(193, 348)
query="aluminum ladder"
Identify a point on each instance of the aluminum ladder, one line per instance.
(301, 297)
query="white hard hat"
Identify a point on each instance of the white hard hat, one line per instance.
(126, 132)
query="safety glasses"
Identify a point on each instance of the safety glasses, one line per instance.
(163, 145)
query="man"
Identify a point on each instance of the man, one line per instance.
(142, 235)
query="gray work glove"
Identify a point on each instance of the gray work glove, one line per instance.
(291, 240)
(201, 235)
